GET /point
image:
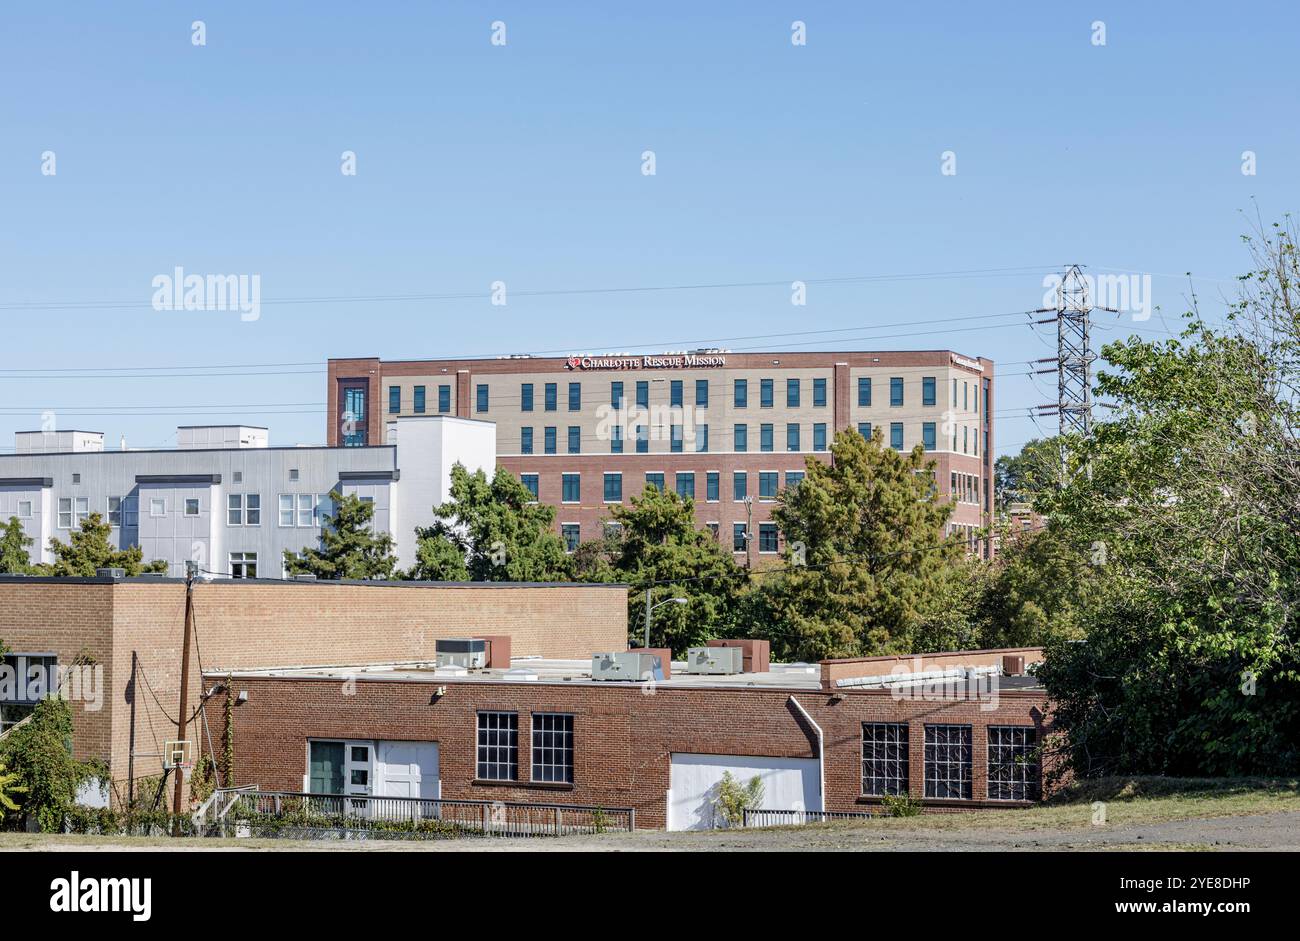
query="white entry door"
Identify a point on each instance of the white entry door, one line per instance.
(408, 769)
(788, 784)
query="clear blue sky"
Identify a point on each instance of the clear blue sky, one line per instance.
(522, 163)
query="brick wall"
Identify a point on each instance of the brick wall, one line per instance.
(134, 629)
(623, 738)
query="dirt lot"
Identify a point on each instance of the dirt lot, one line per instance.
(1144, 814)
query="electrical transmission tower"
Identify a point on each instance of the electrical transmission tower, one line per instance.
(1074, 357)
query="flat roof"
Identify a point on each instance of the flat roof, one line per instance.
(372, 583)
(791, 676)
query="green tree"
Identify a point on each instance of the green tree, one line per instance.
(1019, 478)
(88, 549)
(9, 786)
(350, 548)
(14, 559)
(658, 547)
(491, 531)
(1185, 501)
(39, 755)
(865, 553)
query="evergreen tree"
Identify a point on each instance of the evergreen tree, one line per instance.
(88, 549)
(14, 559)
(865, 553)
(350, 548)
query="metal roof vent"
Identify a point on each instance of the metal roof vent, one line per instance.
(519, 675)
(450, 669)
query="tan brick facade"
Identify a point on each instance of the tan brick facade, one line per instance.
(133, 628)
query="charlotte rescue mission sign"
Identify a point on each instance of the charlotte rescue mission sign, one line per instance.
(668, 361)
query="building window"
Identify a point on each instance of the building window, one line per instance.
(738, 537)
(548, 439)
(928, 435)
(643, 394)
(394, 399)
(21, 701)
(701, 439)
(819, 393)
(481, 398)
(819, 436)
(702, 393)
(526, 440)
(25, 509)
(864, 429)
(157, 507)
(740, 395)
(686, 485)
(571, 488)
(675, 394)
(419, 400)
(884, 758)
(655, 480)
(243, 565)
(741, 438)
(948, 761)
(444, 399)
(616, 440)
(575, 396)
(864, 391)
(767, 537)
(615, 394)
(191, 506)
(793, 479)
(243, 509)
(293, 473)
(354, 416)
(896, 435)
(739, 485)
(114, 511)
(575, 439)
(65, 512)
(498, 746)
(675, 439)
(792, 393)
(530, 483)
(613, 488)
(552, 748)
(713, 530)
(76, 478)
(768, 482)
(927, 390)
(571, 533)
(896, 391)
(552, 396)
(792, 437)
(711, 486)
(765, 437)
(526, 397)
(642, 440)
(765, 396)
(1013, 763)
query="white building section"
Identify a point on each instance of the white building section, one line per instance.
(226, 499)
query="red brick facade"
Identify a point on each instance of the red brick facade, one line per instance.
(623, 738)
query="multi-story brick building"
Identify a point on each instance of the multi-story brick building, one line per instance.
(728, 429)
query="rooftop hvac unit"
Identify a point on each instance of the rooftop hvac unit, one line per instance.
(715, 660)
(467, 652)
(628, 665)
(304, 577)
(110, 573)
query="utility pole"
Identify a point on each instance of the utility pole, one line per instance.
(1074, 358)
(190, 570)
(647, 619)
(749, 532)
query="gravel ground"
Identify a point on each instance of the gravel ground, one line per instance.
(1268, 831)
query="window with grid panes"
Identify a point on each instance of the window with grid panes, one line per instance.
(948, 761)
(498, 746)
(884, 758)
(1013, 763)
(552, 748)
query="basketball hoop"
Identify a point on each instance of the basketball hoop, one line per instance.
(178, 754)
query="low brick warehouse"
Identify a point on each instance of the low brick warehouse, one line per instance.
(623, 735)
(132, 628)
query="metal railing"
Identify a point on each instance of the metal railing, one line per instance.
(787, 818)
(289, 813)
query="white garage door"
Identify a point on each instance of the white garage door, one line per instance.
(407, 769)
(788, 784)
